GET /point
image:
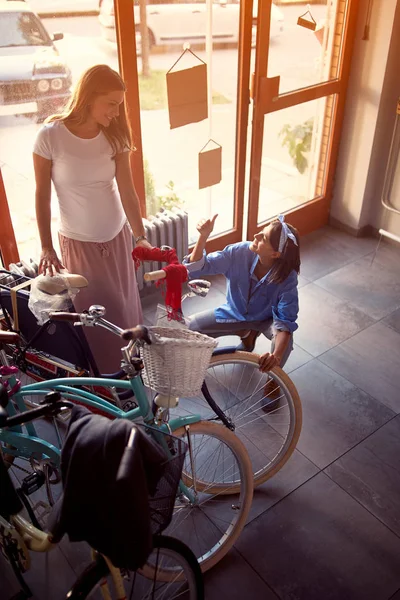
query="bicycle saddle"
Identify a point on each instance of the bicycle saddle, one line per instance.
(60, 283)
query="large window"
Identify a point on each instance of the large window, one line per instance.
(38, 68)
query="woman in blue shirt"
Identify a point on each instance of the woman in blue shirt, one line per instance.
(261, 288)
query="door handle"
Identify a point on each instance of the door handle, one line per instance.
(195, 11)
(154, 12)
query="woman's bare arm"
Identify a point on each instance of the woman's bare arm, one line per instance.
(49, 261)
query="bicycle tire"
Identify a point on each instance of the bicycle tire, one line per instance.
(223, 519)
(93, 576)
(239, 369)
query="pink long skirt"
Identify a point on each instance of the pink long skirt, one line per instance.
(110, 271)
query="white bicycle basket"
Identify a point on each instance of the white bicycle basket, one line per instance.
(176, 362)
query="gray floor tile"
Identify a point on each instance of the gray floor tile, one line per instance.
(371, 361)
(295, 472)
(233, 578)
(302, 281)
(387, 256)
(297, 358)
(320, 254)
(197, 304)
(77, 554)
(149, 307)
(319, 543)
(371, 474)
(393, 320)
(374, 289)
(8, 583)
(217, 282)
(349, 244)
(50, 576)
(325, 320)
(336, 414)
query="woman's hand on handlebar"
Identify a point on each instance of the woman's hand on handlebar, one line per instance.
(144, 244)
(140, 332)
(49, 262)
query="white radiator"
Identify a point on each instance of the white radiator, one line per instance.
(166, 228)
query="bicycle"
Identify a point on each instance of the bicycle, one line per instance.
(216, 461)
(234, 392)
(170, 570)
(50, 350)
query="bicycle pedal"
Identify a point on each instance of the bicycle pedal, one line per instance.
(42, 511)
(33, 482)
(64, 415)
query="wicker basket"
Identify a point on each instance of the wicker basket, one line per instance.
(175, 363)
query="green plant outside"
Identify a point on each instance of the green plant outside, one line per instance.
(156, 202)
(297, 139)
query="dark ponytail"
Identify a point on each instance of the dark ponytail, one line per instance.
(289, 259)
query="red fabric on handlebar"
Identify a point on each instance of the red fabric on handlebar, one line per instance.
(176, 275)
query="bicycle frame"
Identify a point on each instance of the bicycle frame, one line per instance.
(26, 444)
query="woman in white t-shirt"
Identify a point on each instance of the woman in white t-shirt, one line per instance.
(85, 152)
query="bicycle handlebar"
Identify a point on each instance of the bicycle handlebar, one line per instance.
(65, 316)
(155, 275)
(140, 332)
(53, 403)
(10, 337)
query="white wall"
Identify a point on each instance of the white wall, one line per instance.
(373, 211)
(368, 119)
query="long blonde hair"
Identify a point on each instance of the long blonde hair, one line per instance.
(98, 81)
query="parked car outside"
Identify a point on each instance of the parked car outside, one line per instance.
(34, 79)
(185, 21)
(51, 8)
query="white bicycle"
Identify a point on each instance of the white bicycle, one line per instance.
(235, 392)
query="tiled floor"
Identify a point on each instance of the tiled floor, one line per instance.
(327, 527)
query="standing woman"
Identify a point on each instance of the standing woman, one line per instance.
(85, 152)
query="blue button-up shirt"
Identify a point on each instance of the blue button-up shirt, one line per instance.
(249, 299)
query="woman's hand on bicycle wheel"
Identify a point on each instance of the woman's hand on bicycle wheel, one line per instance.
(49, 262)
(206, 226)
(268, 361)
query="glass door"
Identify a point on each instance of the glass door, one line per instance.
(300, 76)
(169, 157)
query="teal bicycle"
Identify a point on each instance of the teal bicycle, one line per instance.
(206, 516)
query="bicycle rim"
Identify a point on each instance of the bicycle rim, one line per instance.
(237, 386)
(170, 556)
(205, 518)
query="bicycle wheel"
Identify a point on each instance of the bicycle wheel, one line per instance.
(238, 388)
(169, 555)
(204, 517)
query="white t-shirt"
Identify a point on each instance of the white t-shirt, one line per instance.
(83, 173)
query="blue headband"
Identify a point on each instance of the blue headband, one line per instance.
(285, 234)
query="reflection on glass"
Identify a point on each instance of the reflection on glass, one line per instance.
(301, 56)
(171, 155)
(295, 150)
(22, 29)
(37, 69)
